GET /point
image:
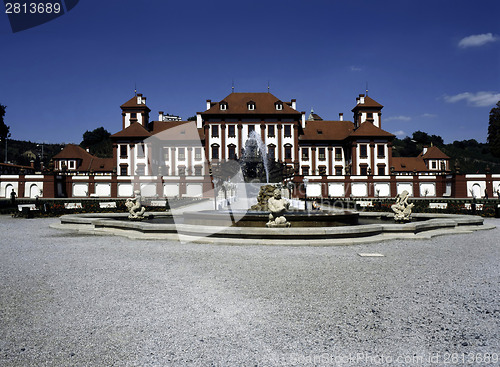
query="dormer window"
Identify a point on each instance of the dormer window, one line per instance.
(223, 106)
(251, 106)
(279, 106)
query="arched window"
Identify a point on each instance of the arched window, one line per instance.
(231, 149)
(288, 151)
(215, 151)
(271, 151)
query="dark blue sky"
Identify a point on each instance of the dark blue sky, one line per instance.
(434, 65)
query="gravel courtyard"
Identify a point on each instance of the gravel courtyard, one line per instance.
(74, 300)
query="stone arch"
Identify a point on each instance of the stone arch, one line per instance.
(34, 191)
(476, 190)
(8, 190)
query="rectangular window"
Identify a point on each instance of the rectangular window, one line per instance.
(338, 171)
(363, 170)
(322, 170)
(166, 155)
(215, 131)
(321, 154)
(380, 150)
(369, 115)
(433, 164)
(141, 170)
(272, 152)
(71, 164)
(305, 171)
(338, 154)
(182, 170)
(288, 131)
(288, 152)
(380, 170)
(181, 154)
(251, 128)
(363, 151)
(123, 151)
(166, 170)
(215, 152)
(197, 170)
(133, 115)
(270, 131)
(197, 154)
(123, 170)
(305, 153)
(231, 131)
(140, 150)
(231, 151)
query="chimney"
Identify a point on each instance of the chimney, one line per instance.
(160, 116)
(209, 104)
(32, 163)
(143, 100)
(341, 117)
(294, 104)
(139, 98)
(362, 99)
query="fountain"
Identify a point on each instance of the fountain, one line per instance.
(255, 152)
(241, 226)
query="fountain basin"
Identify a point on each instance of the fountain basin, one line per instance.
(257, 219)
(426, 225)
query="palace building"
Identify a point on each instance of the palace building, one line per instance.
(168, 157)
(308, 146)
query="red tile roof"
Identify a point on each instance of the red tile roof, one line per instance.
(264, 104)
(369, 102)
(368, 129)
(327, 130)
(73, 151)
(190, 132)
(132, 103)
(135, 130)
(409, 164)
(88, 162)
(434, 152)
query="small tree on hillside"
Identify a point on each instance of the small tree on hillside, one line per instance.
(4, 129)
(494, 130)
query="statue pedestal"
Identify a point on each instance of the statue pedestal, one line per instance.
(277, 225)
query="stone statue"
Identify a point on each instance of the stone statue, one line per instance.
(277, 206)
(401, 209)
(135, 207)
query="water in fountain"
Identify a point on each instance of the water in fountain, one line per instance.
(255, 141)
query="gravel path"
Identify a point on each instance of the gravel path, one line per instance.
(110, 301)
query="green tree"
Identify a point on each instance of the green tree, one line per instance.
(494, 130)
(4, 129)
(98, 141)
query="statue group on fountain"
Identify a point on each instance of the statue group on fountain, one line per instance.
(277, 207)
(401, 209)
(135, 207)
